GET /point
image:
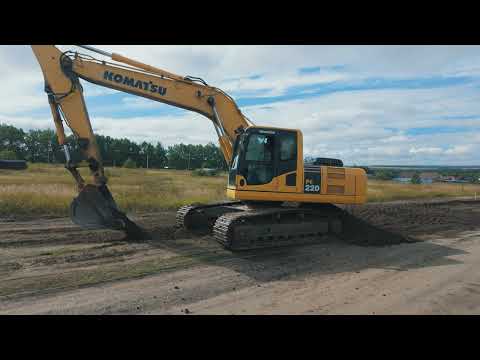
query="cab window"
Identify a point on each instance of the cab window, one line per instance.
(259, 159)
(260, 148)
(288, 146)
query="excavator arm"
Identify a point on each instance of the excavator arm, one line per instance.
(94, 207)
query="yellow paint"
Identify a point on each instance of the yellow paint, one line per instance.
(355, 184)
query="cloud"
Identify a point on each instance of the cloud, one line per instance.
(395, 139)
(187, 128)
(369, 127)
(22, 80)
(426, 150)
(291, 86)
(140, 103)
(28, 122)
(396, 61)
(460, 149)
(277, 84)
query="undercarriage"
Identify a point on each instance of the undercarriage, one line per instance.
(252, 225)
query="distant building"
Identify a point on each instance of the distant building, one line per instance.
(425, 177)
(448, 178)
(454, 180)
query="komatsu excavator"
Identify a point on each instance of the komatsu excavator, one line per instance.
(275, 199)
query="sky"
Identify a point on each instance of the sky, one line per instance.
(366, 105)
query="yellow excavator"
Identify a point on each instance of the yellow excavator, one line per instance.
(275, 198)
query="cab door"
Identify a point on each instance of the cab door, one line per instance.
(286, 160)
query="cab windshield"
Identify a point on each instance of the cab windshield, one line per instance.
(259, 159)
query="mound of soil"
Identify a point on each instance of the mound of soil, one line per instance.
(360, 232)
(396, 222)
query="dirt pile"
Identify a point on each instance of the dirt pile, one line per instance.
(391, 223)
(360, 232)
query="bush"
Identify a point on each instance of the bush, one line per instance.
(416, 179)
(205, 172)
(8, 155)
(130, 164)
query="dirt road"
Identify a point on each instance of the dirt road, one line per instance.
(50, 266)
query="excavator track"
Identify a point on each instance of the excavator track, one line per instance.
(202, 217)
(244, 226)
(276, 227)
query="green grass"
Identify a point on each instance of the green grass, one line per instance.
(47, 190)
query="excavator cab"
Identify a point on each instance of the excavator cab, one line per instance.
(261, 155)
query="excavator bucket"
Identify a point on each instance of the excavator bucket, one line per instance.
(94, 208)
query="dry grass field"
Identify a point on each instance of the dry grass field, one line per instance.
(390, 190)
(48, 189)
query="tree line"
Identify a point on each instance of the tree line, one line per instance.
(41, 146)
